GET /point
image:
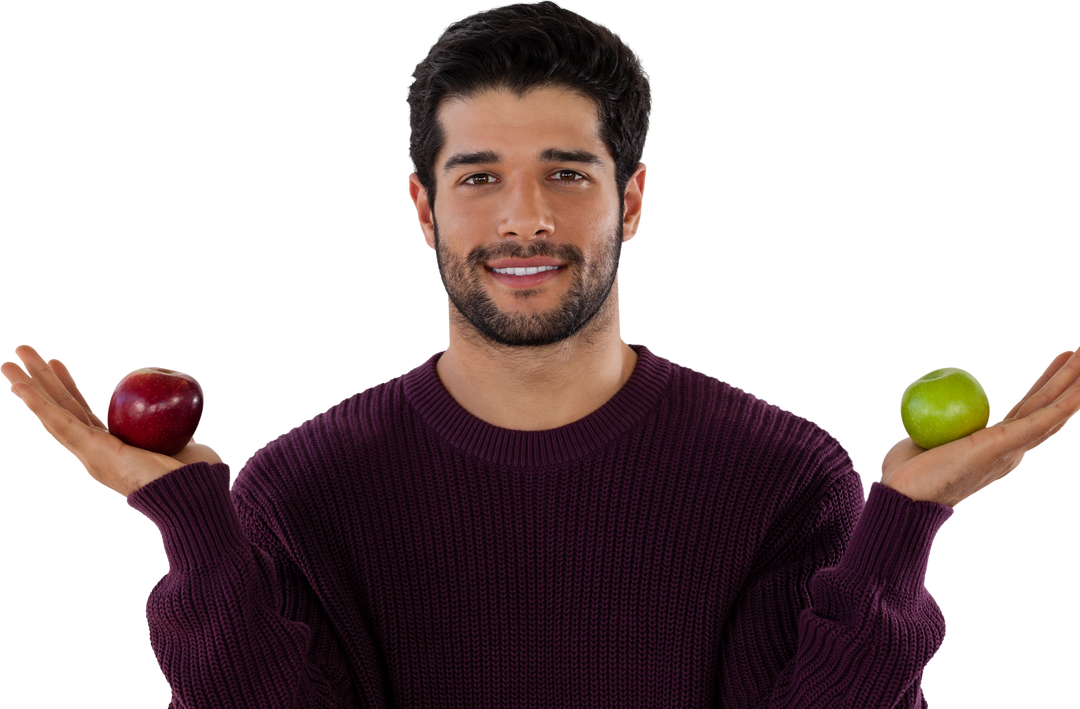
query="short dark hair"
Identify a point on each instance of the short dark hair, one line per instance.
(523, 47)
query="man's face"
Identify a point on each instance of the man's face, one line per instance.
(525, 183)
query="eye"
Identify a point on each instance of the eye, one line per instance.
(482, 174)
(570, 172)
(487, 177)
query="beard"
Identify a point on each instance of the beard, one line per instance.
(586, 297)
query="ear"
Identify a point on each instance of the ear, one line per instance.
(423, 209)
(635, 188)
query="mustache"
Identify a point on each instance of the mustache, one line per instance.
(512, 249)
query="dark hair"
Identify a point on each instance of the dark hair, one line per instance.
(522, 47)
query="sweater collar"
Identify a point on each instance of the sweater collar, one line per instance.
(503, 446)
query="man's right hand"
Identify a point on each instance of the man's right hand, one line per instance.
(50, 392)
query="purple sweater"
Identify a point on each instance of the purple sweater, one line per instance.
(685, 545)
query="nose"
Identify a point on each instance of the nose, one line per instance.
(526, 212)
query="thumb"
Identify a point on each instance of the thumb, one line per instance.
(199, 452)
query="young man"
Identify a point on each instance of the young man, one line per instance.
(529, 350)
(543, 515)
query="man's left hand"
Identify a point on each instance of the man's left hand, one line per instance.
(951, 472)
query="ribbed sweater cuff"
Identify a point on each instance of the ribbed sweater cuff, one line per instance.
(892, 539)
(192, 508)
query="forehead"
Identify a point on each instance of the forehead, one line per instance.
(508, 124)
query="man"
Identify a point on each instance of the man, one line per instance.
(543, 515)
(530, 351)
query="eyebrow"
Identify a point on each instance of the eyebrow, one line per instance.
(489, 157)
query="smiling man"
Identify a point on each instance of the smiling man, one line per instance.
(532, 219)
(542, 515)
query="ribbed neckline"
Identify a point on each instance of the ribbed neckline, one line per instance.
(503, 446)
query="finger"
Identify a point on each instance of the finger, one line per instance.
(66, 379)
(13, 372)
(47, 379)
(1066, 375)
(49, 416)
(73, 437)
(1021, 408)
(1070, 403)
(59, 426)
(1032, 429)
(195, 452)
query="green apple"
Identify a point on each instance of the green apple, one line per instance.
(942, 406)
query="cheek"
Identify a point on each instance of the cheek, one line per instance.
(597, 225)
(471, 225)
(602, 224)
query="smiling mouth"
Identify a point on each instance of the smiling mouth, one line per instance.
(528, 271)
(525, 277)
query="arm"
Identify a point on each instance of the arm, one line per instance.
(819, 626)
(219, 621)
(232, 626)
(847, 622)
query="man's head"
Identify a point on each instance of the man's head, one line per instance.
(529, 122)
(522, 47)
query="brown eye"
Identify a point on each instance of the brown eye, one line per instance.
(477, 175)
(486, 178)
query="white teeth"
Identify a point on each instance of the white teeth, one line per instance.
(524, 271)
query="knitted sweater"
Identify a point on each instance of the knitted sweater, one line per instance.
(685, 545)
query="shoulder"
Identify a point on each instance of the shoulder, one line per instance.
(332, 444)
(756, 437)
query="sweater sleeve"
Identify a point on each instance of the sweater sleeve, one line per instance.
(840, 616)
(230, 625)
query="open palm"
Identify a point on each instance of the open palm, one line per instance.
(49, 391)
(951, 472)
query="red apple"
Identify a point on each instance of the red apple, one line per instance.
(156, 409)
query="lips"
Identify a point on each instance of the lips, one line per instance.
(528, 280)
(525, 263)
